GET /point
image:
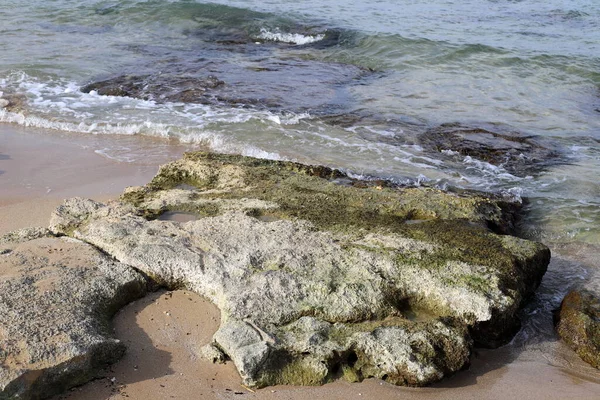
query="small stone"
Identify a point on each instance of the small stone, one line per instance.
(213, 354)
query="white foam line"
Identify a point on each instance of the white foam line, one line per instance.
(291, 38)
(148, 128)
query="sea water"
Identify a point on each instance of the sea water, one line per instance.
(386, 71)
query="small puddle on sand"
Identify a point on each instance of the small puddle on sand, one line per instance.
(177, 216)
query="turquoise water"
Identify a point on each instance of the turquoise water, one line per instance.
(396, 68)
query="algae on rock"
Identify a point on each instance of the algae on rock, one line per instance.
(578, 324)
(318, 275)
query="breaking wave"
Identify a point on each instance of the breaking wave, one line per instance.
(291, 38)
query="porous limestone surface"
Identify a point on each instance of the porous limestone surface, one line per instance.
(57, 296)
(318, 275)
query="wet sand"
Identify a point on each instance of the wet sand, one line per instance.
(39, 169)
(164, 331)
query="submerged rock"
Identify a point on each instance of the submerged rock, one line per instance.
(461, 148)
(318, 275)
(272, 67)
(13, 102)
(57, 296)
(578, 324)
(265, 82)
(160, 88)
(518, 154)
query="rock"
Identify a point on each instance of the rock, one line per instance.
(273, 84)
(466, 149)
(57, 296)
(24, 235)
(14, 102)
(397, 350)
(318, 275)
(292, 85)
(271, 68)
(210, 353)
(518, 154)
(578, 324)
(161, 88)
(246, 347)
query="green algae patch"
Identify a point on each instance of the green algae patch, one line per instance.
(294, 371)
(350, 374)
(460, 241)
(200, 210)
(313, 193)
(135, 195)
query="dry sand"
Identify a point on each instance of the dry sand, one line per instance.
(164, 331)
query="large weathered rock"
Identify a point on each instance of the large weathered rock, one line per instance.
(316, 278)
(578, 324)
(57, 296)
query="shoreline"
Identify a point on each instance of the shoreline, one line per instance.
(39, 169)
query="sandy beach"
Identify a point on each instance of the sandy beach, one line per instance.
(164, 331)
(39, 169)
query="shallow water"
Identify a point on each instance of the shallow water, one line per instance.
(342, 83)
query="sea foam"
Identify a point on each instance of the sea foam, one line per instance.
(286, 37)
